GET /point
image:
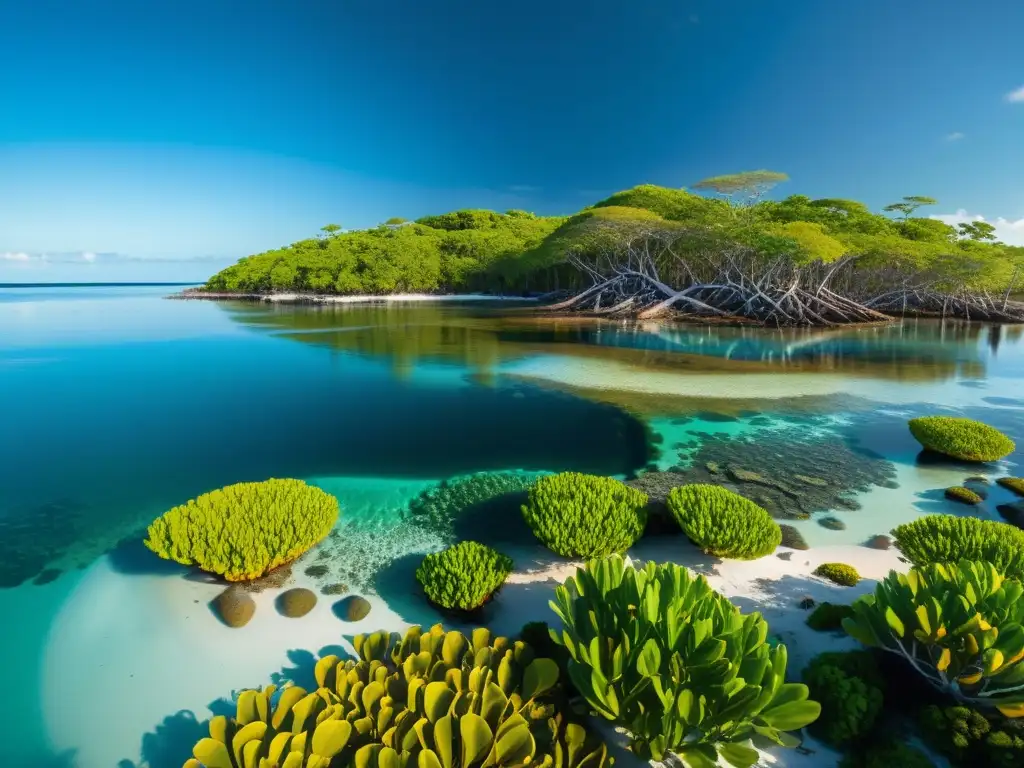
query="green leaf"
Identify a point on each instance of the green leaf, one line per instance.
(330, 737)
(649, 662)
(791, 716)
(540, 676)
(475, 736)
(738, 755)
(212, 754)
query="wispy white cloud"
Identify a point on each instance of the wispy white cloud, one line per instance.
(1016, 96)
(89, 258)
(15, 257)
(1008, 231)
(955, 136)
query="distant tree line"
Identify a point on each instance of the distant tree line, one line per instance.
(661, 249)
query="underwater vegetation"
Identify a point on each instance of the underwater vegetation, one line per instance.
(246, 530)
(787, 472)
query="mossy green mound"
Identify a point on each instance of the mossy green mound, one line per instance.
(463, 577)
(959, 438)
(828, 617)
(577, 515)
(1015, 484)
(838, 573)
(850, 690)
(245, 530)
(963, 495)
(723, 523)
(949, 538)
(296, 603)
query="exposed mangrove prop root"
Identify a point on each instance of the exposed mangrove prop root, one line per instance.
(638, 273)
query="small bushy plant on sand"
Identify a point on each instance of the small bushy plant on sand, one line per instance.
(577, 515)
(838, 573)
(948, 538)
(245, 530)
(463, 577)
(723, 523)
(959, 438)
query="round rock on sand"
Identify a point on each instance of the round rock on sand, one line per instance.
(234, 607)
(296, 602)
(879, 542)
(354, 608)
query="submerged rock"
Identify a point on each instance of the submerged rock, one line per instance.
(792, 538)
(832, 523)
(317, 571)
(334, 589)
(296, 603)
(234, 607)
(1012, 513)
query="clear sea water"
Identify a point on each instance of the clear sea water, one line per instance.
(118, 404)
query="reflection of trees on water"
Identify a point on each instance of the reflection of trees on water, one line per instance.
(481, 337)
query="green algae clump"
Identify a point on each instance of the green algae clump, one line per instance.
(246, 530)
(463, 577)
(1015, 484)
(577, 515)
(723, 523)
(963, 495)
(838, 573)
(959, 438)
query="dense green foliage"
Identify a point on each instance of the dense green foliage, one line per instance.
(245, 530)
(972, 738)
(464, 576)
(483, 250)
(889, 754)
(850, 690)
(963, 495)
(948, 538)
(431, 699)
(838, 573)
(828, 617)
(660, 653)
(577, 515)
(963, 439)
(959, 625)
(723, 523)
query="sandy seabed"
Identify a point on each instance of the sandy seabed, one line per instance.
(128, 651)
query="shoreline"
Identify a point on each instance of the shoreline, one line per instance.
(327, 298)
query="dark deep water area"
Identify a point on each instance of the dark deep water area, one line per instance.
(119, 404)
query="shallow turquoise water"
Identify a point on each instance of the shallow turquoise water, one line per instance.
(119, 404)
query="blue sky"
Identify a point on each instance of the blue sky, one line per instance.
(161, 140)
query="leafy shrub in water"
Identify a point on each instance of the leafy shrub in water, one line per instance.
(426, 699)
(838, 573)
(723, 523)
(849, 688)
(828, 617)
(958, 438)
(657, 651)
(949, 538)
(577, 515)
(245, 530)
(961, 494)
(957, 624)
(971, 738)
(463, 577)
